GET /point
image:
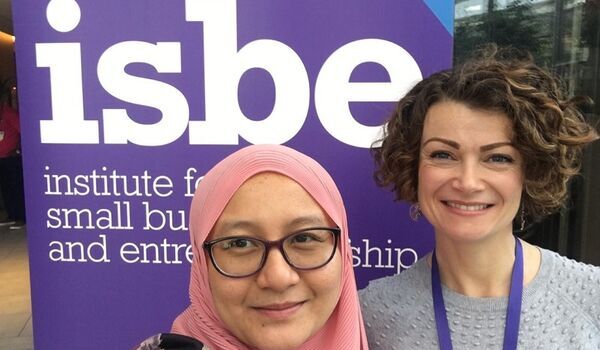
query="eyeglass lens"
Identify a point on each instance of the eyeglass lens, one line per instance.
(242, 256)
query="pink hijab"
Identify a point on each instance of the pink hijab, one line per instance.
(344, 329)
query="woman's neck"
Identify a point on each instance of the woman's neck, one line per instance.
(483, 268)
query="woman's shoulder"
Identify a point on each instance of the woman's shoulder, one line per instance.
(409, 284)
(391, 306)
(563, 269)
(573, 281)
(413, 275)
(170, 341)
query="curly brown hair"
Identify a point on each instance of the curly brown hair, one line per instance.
(548, 129)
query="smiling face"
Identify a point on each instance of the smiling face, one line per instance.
(278, 307)
(470, 176)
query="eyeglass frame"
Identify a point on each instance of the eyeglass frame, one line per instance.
(336, 231)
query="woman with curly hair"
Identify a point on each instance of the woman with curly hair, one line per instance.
(474, 149)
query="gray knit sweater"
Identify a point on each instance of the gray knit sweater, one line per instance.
(561, 310)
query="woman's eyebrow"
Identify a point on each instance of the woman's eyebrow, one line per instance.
(450, 143)
(226, 226)
(491, 146)
(455, 145)
(307, 220)
(229, 225)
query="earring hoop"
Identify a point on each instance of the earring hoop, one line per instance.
(415, 211)
(522, 218)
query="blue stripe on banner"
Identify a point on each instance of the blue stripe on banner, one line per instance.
(444, 11)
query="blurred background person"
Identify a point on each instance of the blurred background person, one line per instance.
(11, 166)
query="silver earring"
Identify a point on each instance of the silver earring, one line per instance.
(415, 211)
(522, 218)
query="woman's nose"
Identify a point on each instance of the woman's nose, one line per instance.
(469, 177)
(277, 274)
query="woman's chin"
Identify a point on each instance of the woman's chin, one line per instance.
(276, 343)
(277, 337)
(464, 234)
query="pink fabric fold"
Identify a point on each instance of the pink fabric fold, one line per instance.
(344, 329)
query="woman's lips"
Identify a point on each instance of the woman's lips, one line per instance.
(279, 311)
(467, 208)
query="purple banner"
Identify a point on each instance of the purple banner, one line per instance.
(126, 104)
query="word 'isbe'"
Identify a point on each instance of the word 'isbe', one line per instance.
(224, 121)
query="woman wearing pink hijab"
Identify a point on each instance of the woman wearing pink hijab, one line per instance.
(272, 262)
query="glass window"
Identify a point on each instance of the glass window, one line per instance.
(563, 36)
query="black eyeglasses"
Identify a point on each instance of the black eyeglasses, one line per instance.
(243, 256)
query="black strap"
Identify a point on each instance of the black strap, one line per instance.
(171, 341)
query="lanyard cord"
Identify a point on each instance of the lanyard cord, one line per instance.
(513, 310)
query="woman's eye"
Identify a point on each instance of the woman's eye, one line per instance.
(309, 237)
(302, 238)
(500, 158)
(237, 243)
(440, 155)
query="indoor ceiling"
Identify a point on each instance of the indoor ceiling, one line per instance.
(6, 24)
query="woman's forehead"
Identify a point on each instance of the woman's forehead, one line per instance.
(268, 200)
(451, 119)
